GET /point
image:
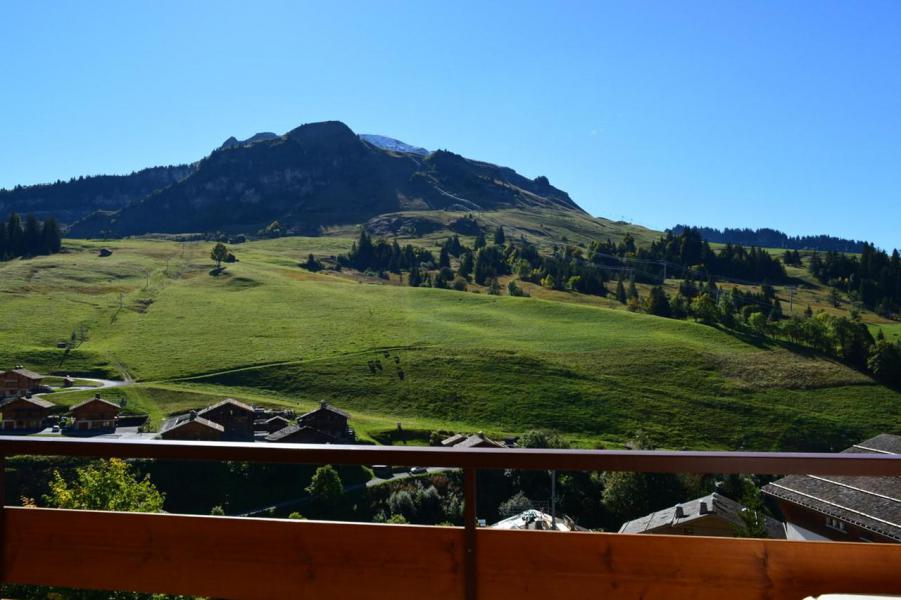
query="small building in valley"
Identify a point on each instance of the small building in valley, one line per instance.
(25, 414)
(840, 507)
(236, 418)
(19, 382)
(94, 415)
(713, 515)
(328, 420)
(192, 427)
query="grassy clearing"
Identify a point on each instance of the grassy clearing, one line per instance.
(268, 332)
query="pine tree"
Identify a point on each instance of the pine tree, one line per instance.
(633, 291)
(467, 264)
(499, 237)
(51, 239)
(480, 241)
(621, 292)
(31, 237)
(444, 258)
(14, 236)
(415, 278)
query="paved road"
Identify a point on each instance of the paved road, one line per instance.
(101, 384)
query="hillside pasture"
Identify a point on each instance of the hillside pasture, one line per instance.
(266, 331)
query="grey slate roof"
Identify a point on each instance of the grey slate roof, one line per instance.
(686, 512)
(872, 503)
(28, 374)
(94, 399)
(39, 402)
(228, 401)
(199, 420)
(323, 406)
(318, 436)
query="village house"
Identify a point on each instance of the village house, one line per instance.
(95, 414)
(236, 418)
(714, 515)
(25, 414)
(19, 382)
(328, 420)
(192, 427)
(843, 508)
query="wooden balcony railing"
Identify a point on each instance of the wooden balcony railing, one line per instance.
(223, 557)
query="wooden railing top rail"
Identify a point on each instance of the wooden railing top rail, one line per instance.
(469, 458)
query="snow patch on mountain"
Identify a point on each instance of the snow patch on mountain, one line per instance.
(392, 145)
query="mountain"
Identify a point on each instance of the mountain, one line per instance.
(318, 175)
(391, 144)
(69, 201)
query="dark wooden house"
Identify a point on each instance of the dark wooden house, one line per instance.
(328, 420)
(843, 508)
(19, 382)
(95, 414)
(235, 417)
(25, 414)
(192, 427)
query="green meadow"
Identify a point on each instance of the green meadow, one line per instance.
(269, 332)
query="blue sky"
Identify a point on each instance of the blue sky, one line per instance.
(782, 114)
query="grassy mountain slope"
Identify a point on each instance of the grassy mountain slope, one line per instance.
(269, 331)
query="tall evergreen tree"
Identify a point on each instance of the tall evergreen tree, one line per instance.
(499, 237)
(31, 237)
(14, 235)
(51, 239)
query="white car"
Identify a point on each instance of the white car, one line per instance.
(418, 470)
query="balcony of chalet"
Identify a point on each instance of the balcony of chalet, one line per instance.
(250, 558)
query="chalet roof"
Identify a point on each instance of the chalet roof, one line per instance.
(39, 402)
(291, 430)
(478, 440)
(95, 399)
(227, 402)
(26, 373)
(182, 422)
(277, 418)
(453, 440)
(687, 512)
(324, 406)
(872, 503)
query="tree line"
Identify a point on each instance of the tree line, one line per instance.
(688, 253)
(873, 278)
(773, 238)
(31, 238)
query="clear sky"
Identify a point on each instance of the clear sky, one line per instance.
(781, 114)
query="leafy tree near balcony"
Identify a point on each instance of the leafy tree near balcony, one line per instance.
(105, 485)
(108, 485)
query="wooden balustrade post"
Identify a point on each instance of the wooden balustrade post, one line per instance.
(470, 522)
